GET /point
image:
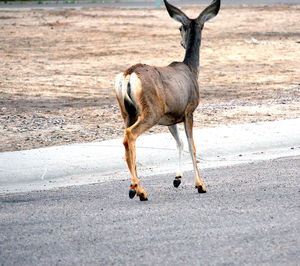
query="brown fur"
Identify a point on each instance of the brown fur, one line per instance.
(164, 95)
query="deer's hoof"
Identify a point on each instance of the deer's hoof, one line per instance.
(201, 189)
(132, 193)
(143, 197)
(176, 181)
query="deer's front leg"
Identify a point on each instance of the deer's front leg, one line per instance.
(174, 131)
(188, 125)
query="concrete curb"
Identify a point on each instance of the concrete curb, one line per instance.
(95, 162)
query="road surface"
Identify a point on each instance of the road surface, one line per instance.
(250, 216)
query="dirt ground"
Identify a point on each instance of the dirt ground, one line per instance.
(57, 69)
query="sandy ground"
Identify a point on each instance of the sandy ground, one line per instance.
(57, 69)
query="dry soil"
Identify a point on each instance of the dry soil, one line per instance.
(57, 68)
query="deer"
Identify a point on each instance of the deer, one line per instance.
(149, 95)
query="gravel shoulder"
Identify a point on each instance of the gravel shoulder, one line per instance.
(58, 66)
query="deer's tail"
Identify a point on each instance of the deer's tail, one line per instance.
(127, 88)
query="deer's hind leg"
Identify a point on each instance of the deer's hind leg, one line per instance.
(130, 136)
(188, 125)
(174, 131)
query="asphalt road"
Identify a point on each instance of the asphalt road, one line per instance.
(250, 216)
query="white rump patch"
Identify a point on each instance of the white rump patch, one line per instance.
(121, 87)
(135, 83)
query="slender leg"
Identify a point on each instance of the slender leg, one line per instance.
(188, 125)
(174, 131)
(130, 137)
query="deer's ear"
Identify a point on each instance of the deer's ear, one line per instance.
(211, 11)
(177, 14)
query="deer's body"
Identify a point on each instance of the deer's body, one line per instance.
(150, 95)
(154, 90)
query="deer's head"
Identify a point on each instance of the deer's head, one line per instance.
(190, 25)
